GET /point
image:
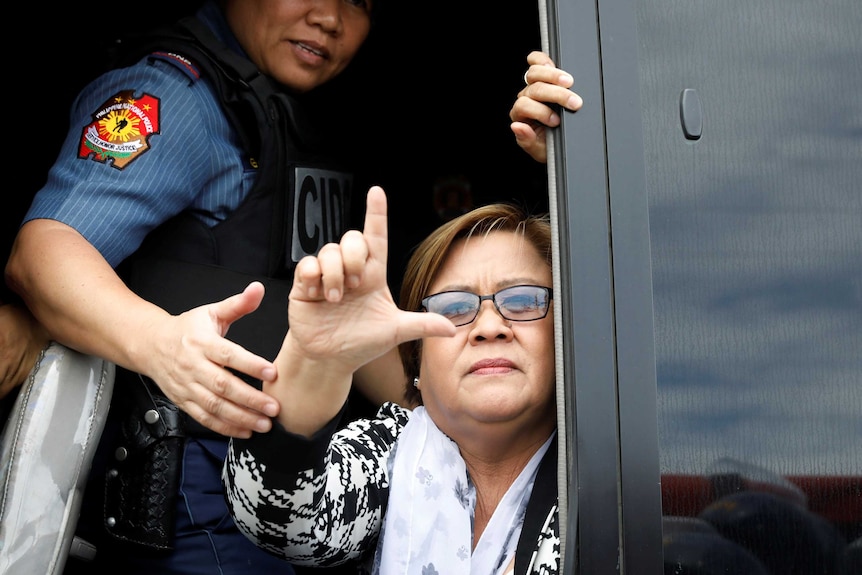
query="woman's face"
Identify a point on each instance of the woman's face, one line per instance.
(300, 43)
(493, 370)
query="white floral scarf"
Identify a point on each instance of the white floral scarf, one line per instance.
(428, 527)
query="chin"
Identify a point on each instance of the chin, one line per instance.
(496, 408)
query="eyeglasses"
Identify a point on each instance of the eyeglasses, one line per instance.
(516, 303)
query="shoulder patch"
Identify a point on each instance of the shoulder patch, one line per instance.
(120, 129)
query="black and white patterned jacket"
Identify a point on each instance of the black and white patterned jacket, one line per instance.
(321, 501)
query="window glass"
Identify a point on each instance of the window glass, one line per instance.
(756, 239)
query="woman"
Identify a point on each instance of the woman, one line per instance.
(447, 487)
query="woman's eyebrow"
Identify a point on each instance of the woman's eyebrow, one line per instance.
(501, 284)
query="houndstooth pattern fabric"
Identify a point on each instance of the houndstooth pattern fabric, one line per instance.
(330, 510)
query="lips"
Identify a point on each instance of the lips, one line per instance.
(312, 47)
(492, 365)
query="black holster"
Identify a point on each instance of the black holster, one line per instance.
(142, 478)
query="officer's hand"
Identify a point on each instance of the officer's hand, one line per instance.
(532, 112)
(190, 366)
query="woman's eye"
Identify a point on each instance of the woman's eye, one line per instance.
(519, 303)
(456, 309)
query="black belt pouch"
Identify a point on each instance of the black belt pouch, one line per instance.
(142, 479)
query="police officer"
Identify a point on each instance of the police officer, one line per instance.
(190, 173)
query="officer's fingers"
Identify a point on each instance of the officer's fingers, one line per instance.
(236, 306)
(225, 417)
(228, 396)
(227, 354)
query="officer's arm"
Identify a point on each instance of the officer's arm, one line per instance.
(84, 304)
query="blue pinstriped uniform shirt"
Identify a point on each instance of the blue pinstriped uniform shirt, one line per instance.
(194, 162)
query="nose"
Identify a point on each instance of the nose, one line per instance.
(326, 14)
(489, 324)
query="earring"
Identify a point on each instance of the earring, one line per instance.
(415, 382)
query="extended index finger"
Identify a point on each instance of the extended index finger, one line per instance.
(376, 223)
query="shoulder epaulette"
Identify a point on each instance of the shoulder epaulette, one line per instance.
(180, 61)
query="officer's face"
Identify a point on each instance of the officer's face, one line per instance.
(300, 43)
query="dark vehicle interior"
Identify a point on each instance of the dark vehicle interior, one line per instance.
(432, 109)
(754, 231)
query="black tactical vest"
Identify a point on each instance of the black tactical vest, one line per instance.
(298, 203)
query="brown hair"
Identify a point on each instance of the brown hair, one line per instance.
(429, 255)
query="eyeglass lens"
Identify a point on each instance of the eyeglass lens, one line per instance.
(516, 303)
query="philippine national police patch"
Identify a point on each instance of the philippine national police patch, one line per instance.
(120, 129)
